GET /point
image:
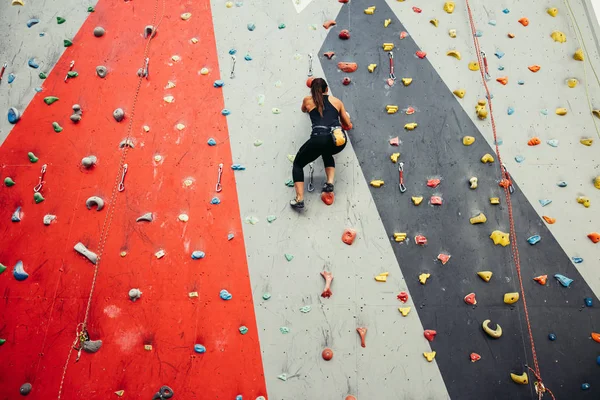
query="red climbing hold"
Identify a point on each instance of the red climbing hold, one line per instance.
(429, 334)
(362, 332)
(403, 297)
(475, 357)
(346, 81)
(403, 34)
(417, 10)
(433, 183)
(436, 200)
(343, 1)
(444, 258)
(344, 34)
(349, 236)
(327, 354)
(410, 110)
(328, 276)
(470, 299)
(309, 81)
(395, 141)
(350, 398)
(329, 54)
(541, 279)
(348, 66)
(420, 239)
(421, 54)
(327, 198)
(328, 24)
(594, 237)
(596, 337)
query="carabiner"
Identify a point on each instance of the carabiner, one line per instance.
(401, 177)
(219, 187)
(122, 183)
(311, 187)
(41, 182)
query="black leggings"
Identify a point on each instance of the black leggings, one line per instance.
(318, 145)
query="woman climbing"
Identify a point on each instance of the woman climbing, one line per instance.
(326, 139)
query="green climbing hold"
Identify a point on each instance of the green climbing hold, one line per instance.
(9, 182)
(266, 296)
(60, 20)
(67, 42)
(281, 26)
(91, 9)
(2, 341)
(43, 75)
(289, 183)
(305, 309)
(271, 218)
(57, 127)
(243, 330)
(284, 330)
(72, 74)
(289, 257)
(32, 157)
(50, 99)
(38, 197)
(2, 268)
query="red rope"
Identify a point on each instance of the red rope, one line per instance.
(513, 234)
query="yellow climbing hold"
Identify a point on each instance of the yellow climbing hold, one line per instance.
(596, 113)
(511, 298)
(429, 356)
(434, 22)
(406, 81)
(120, 393)
(176, 58)
(474, 66)
(494, 200)
(449, 7)
(394, 157)
(391, 109)
(180, 127)
(148, 347)
(399, 236)
(561, 111)
(387, 23)
(423, 278)
(229, 4)
(452, 33)
(460, 93)
(417, 200)
(411, 126)
(500, 238)
(522, 379)
(586, 141)
(481, 110)
(572, 82)
(194, 40)
(468, 140)
(146, 128)
(553, 12)
(404, 311)
(123, 253)
(382, 277)
(558, 36)
(597, 182)
(204, 71)
(370, 10)
(18, 3)
(487, 159)
(455, 54)
(186, 16)
(585, 201)
(169, 99)
(377, 183)
(485, 275)
(372, 67)
(494, 333)
(478, 219)
(388, 47)
(473, 183)
(579, 55)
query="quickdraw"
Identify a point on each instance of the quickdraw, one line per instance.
(506, 181)
(401, 178)
(70, 69)
(41, 181)
(219, 187)
(122, 183)
(144, 72)
(392, 77)
(2, 71)
(78, 343)
(485, 67)
(232, 75)
(310, 62)
(311, 187)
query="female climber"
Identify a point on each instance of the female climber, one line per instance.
(328, 137)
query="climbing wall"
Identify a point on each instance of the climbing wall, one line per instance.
(229, 278)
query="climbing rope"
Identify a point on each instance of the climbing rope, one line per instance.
(539, 387)
(81, 330)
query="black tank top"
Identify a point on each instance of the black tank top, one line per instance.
(330, 118)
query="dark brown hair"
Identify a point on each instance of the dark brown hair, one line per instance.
(317, 88)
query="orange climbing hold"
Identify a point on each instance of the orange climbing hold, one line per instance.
(362, 332)
(328, 24)
(327, 198)
(542, 279)
(444, 258)
(309, 81)
(534, 141)
(329, 54)
(548, 219)
(534, 68)
(349, 236)
(594, 237)
(596, 337)
(511, 35)
(524, 21)
(348, 66)
(503, 80)
(433, 183)
(470, 299)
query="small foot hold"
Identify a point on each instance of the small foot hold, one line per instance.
(344, 34)
(382, 277)
(403, 297)
(362, 332)
(511, 298)
(423, 278)
(32, 157)
(328, 198)
(563, 280)
(328, 276)
(25, 388)
(49, 218)
(478, 219)
(474, 357)
(13, 115)
(134, 294)
(119, 114)
(542, 279)
(89, 161)
(429, 334)
(404, 311)
(38, 198)
(429, 356)
(470, 299)
(485, 275)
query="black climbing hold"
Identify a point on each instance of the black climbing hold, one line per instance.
(119, 114)
(165, 392)
(25, 389)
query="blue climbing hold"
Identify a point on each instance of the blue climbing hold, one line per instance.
(13, 115)
(198, 255)
(589, 302)
(215, 200)
(478, 33)
(506, 11)
(225, 112)
(32, 22)
(562, 184)
(563, 280)
(32, 63)
(519, 159)
(553, 142)
(500, 67)
(198, 348)
(42, 34)
(510, 111)
(499, 54)
(16, 217)
(251, 27)
(218, 83)
(232, 51)
(545, 202)
(248, 57)
(521, 82)
(534, 239)
(225, 295)
(492, 22)
(585, 386)
(212, 142)
(239, 397)
(230, 236)
(544, 111)
(577, 260)
(239, 3)
(491, 96)
(38, 89)
(552, 337)
(19, 273)
(238, 167)
(11, 78)
(498, 142)
(598, 360)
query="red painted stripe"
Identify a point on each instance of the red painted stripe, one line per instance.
(39, 315)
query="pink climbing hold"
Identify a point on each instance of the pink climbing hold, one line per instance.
(328, 279)
(346, 81)
(433, 183)
(348, 236)
(403, 35)
(403, 297)
(410, 110)
(421, 54)
(395, 141)
(420, 239)
(417, 10)
(344, 34)
(474, 357)
(436, 200)
(444, 258)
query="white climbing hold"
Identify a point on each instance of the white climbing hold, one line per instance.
(134, 294)
(84, 251)
(48, 218)
(94, 201)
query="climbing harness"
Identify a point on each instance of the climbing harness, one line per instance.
(41, 182)
(232, 75)
(311, 187)
(122, 183)
(392, 75)
(219, 187)
(144, 72)
(165, 392)
(2, 70)
(310, 61)
(485, 65)
(70, 69)
(401, 177)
